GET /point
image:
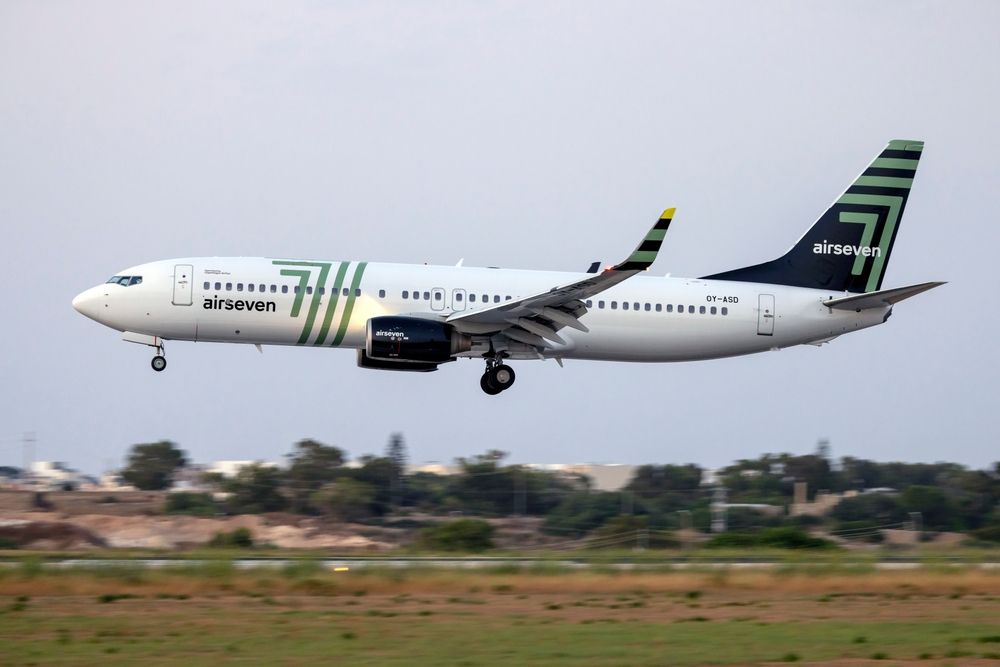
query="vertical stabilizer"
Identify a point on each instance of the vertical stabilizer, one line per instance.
(848, 248)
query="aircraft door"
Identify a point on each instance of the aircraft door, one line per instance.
(765, 315)
(437, 298)
(183, 284)
(458, 299)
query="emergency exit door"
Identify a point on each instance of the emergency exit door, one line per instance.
(183, 280)
(765, 315)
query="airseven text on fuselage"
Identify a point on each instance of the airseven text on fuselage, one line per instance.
(216, 303)
(825, 248)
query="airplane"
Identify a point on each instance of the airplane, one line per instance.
(405, 317)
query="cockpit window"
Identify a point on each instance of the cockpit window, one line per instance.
(125, 281)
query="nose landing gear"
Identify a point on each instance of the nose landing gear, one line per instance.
(159, 362)
(498, 377)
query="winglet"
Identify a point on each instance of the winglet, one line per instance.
(644, 256)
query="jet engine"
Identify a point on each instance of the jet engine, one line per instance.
(400, 339)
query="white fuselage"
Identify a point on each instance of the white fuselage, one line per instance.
(328, 304)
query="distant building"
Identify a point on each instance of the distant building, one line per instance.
(232, 468)
(112, 481)
(433, 469)
(603, 476)
(56, 475)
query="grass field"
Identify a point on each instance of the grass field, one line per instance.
(302, 614)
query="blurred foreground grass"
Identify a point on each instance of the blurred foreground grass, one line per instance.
(303, 613)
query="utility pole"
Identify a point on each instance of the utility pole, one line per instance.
(719, 509)
(628, 506)
(685, 531)
(642, 539)
(917, 524)
(520, 492)
(28, 441)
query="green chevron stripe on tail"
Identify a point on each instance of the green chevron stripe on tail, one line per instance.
(847, 249)
(644, 255)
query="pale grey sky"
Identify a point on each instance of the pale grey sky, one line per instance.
(520, 134)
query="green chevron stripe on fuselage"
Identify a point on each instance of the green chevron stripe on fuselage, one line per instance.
(300, 291)
(331, 307)
(324, 270)
(345, 319)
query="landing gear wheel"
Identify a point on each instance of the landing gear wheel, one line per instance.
(487, 385)
(497, 378)
(502, 377)
(158, 363)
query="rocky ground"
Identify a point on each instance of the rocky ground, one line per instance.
(84, 520)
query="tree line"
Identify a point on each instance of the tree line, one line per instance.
(318, 481)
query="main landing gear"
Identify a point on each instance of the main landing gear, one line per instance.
(497, 378)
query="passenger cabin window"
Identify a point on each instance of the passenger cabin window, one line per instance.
(250, 287)
(701, 309)
(589, 303)
(207, 286)
(274, 289)
(345, 291)
(713, 310)
(381, 294)
(624, 305)
(472, 298)
(614, 305)
(357, 292)
(263, 287)
(218, 287)
(635, 306)
(691, 310)
(284, 289)
(309, 289)
(322, 290)
(600, 305)
(437, 296)
(670, 307)
(725, 311)
(406, 294)
(229, 287)
(496, 298)
(659, 307)
(239, 287)
(458, 296)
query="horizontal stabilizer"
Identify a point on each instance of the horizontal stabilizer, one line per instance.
(879, 299)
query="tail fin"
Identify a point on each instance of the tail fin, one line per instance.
(848, 248)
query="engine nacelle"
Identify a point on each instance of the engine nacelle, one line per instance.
(413, 339)
(364, 361)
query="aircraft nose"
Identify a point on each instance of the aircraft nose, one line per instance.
(88, 302)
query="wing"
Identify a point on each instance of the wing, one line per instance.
(536, 319)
